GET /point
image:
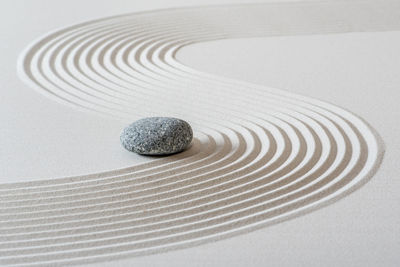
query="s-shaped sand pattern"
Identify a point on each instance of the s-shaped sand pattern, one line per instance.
(260, 155)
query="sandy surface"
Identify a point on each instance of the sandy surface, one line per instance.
(46, 139)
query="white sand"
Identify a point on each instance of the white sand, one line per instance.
(245, 133)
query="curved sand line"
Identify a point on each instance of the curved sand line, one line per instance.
(260, 156)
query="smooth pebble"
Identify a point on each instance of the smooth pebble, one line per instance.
(157, 136)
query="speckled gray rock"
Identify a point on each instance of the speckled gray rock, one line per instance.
(157, 136)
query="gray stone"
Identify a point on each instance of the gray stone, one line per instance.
(157, 136)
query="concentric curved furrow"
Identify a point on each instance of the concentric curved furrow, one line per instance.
(260, 155)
